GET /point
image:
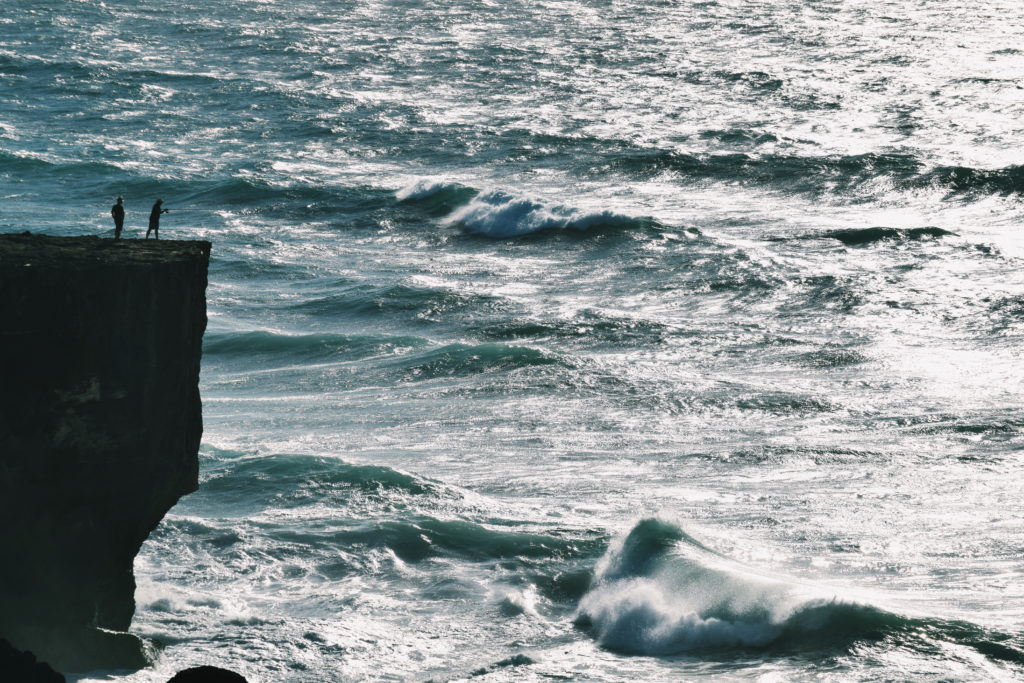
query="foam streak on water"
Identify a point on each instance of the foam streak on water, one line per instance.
(630, 341)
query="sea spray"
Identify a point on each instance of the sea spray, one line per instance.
(658, 591)
(841, 394)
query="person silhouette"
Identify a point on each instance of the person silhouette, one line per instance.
(117, 212)
(154, 219)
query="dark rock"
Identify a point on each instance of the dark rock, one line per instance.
(100, 422)
(22, 667)
(207, 674)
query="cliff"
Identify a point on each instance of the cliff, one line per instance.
(100, 422)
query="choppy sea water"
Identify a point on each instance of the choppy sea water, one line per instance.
(595, 341)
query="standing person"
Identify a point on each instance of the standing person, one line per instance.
(117, 211)
(154, 219)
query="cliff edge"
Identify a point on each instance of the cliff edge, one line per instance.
(100, 422)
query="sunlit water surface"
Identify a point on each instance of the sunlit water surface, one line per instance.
(581, 340)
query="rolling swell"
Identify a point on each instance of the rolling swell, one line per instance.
(284, 199)
(103, 74)
(975, 181)
(261, 347)
(284, 362)
(814, 174)
(319, 363)
(247, 192)
(20, 164)
(459, 360)
(25, 65)
(588, 325)
(242, 486)
(659, 592)
(420, 538)
(361, 503)
(312, 513)
(856, 237)
(248, 195)
(797, 173)
(426, 304)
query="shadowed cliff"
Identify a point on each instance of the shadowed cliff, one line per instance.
(100, 423)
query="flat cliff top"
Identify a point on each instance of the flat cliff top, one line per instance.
(19, 250)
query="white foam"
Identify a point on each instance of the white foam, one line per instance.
(645, 616)
(520, 601)
(659, 592)
(421, 188)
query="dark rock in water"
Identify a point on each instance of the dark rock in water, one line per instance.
(207, 674)
(22, 667)
(100, 422)
(513, 661)
(854, 237)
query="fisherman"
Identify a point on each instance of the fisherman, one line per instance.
(117, 211)
(154, 219)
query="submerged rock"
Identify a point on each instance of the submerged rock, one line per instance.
(207, 674)
(100, 422)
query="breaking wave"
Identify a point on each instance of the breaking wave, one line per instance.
(502, 215)
(657, 591)
(436, 197)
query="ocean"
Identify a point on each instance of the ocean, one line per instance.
(590, 340)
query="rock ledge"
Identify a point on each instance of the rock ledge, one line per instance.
(100, 422)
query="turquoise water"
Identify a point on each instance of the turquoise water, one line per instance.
(598, 341)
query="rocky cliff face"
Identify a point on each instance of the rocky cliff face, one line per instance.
(100, 422)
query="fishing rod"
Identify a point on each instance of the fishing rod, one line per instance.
(187, 209)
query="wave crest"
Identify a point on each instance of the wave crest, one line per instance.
(659, 592)
(500, 215)
(437, 197)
